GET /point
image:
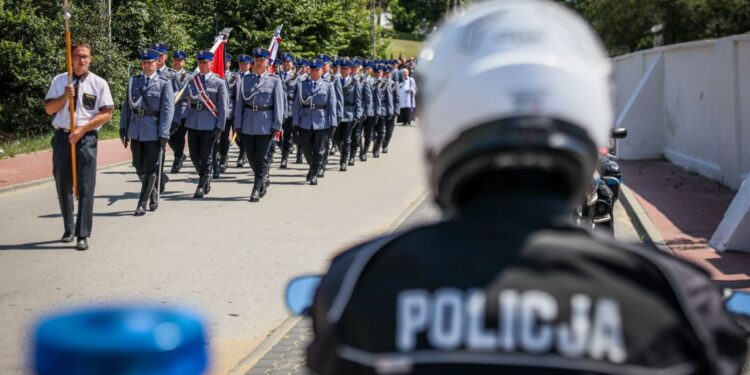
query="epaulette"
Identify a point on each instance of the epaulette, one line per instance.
(171, 70)
(166, 78)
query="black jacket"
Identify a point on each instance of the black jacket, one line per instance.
(503, 289)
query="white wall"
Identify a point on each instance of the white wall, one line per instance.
(689, 103)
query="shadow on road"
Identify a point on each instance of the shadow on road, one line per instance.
(43, 245)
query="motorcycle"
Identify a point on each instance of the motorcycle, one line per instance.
(597, 210)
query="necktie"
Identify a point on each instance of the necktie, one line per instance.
(76, 80)
(147, 79)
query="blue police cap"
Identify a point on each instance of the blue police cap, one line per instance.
(204, 55)
(303, 62)
(316, 63)
(357, 62)
(178, 54)
(337, 62)
(325, 59)
(160, 47)
(388, 68)
(286, 56)
(276, 62)
(227, 57)
(346, 63)
(261, 52)
(244, 58)
(148, 54)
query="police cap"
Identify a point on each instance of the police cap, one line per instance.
(178, 54)
(148, 54)
(244, 58)
(261, 52)
(160, 47)
(204, 55)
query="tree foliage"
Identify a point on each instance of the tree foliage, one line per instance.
(32, 47)
(629, 25)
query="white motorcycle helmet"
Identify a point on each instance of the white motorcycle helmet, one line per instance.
(513, 86)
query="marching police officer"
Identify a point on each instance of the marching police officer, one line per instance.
(302, 74)
(363, 80)
(506, 285)
(221, 148)
(328, 75)
(259, 112)
(205, 119)
(171, 75)
(314, 114)
(145, 119)
(352, 97)
(178, 132)
(381, 102)
(93, 108)
(394, 107)
(246, 64)
(289, 78)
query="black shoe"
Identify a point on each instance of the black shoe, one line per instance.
(207, 187)
(153, 203)
(264, 188)
(177, 163)
(299, 159)
(322, 173)
(333, 150)
(67, 237)
(376, 154)
(140, 210)
(385, 150)
(255, 195)
(314, 180)
(351, 161)
(164, 180)
(223, 167)
(217, 172)
(241, 162)
(310, 173)
(82, 244)
(362, 157)
(283, 163)
(342, 167)
(199, 192)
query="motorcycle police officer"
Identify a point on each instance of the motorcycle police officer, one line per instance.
(205, 118)
(145, 120)
(259, 112)
(505, 284)
(314, 114)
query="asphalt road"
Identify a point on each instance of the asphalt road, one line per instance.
(223, 255)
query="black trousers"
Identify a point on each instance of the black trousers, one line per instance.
(177, 140)
(86, 150)
(369, 131)
(221, 148)
(343, 139)
(145, 156)
(356, 137)
(314, 144)
(390, 124)
(379, 133)
(288, 138)
(256, 149)
(201, 144)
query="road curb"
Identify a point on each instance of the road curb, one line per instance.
(247, 363)
(42, 181)
(641, 221)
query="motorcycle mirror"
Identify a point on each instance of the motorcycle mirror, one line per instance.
(300, 293)
(738, 303)
(619, 133)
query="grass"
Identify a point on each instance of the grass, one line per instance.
(22, 146)
(405, 48)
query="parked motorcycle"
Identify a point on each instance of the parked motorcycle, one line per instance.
(597, 210)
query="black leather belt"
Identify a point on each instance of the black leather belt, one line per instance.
(199, 107)
(313, 106)
(142, 113)
(256, 108)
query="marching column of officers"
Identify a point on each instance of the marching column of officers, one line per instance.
(322, 106)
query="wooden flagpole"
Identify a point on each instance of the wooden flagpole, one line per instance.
(71, 101)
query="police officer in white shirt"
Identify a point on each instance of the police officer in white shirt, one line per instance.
(93, 108)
